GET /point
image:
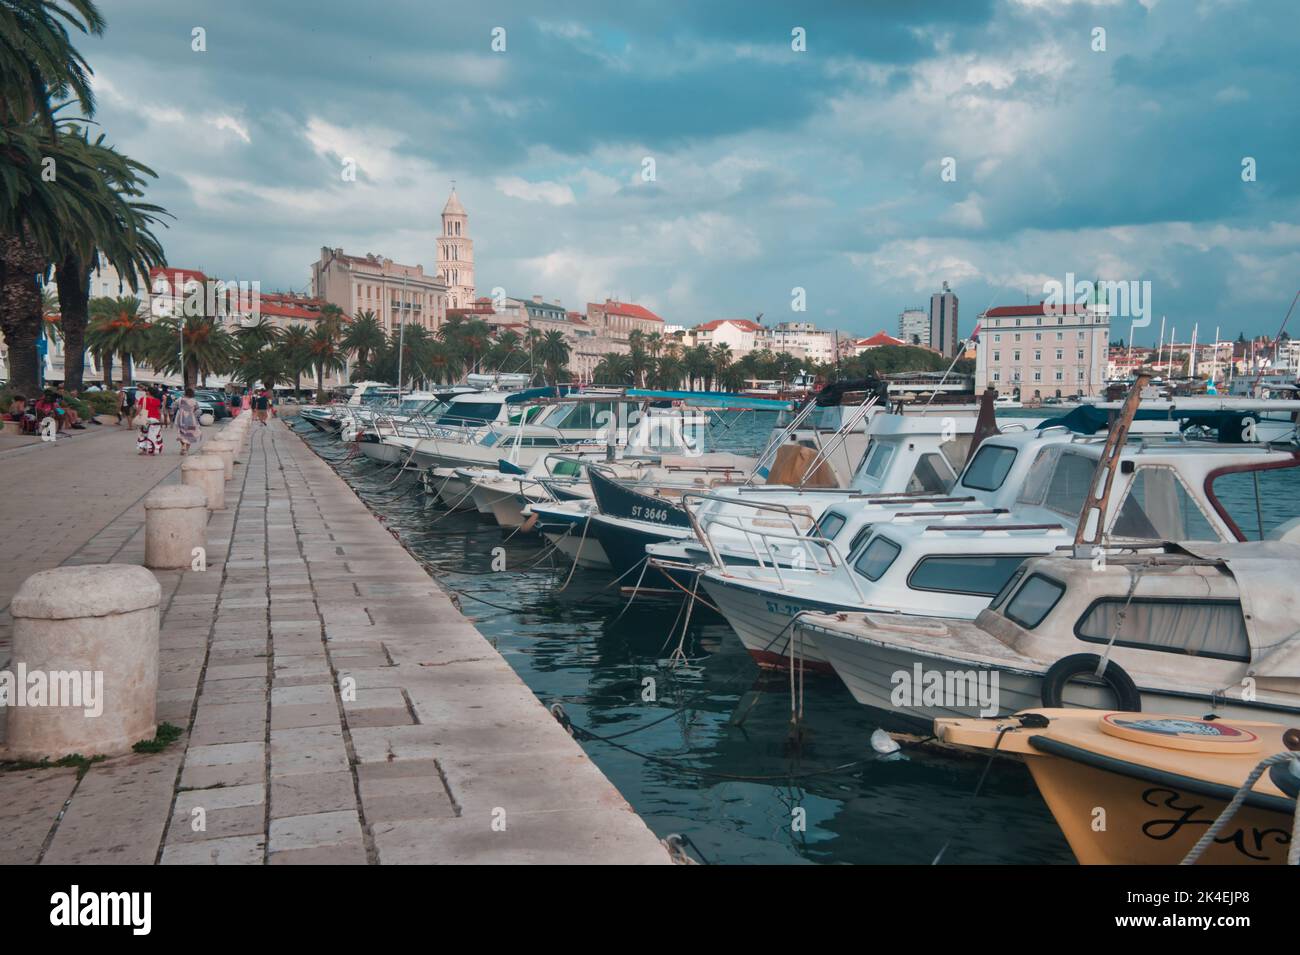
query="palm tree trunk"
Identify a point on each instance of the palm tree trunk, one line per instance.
(128, 372)
(73, 280)
(20, 309)
(106, 363)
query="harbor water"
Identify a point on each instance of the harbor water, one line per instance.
(693, 734)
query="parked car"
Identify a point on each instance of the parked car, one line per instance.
(219, 401)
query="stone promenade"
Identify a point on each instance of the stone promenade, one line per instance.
(337, 707)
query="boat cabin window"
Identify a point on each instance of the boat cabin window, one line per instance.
(956, 451)
(863, 533)
(1034, 601)
(1010, 586)
(469, 413)
(881, 455)
(828, 525)
(566, 468)
(989, 468)
(980, 576)
(585, 416)
(876, 558)
(1158, 507)
(1059, 480)
(932, 475)
(1203, 628)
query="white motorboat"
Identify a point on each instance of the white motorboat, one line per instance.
(952, 566)
(1201, 628)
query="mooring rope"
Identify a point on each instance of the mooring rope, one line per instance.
(1239, 797)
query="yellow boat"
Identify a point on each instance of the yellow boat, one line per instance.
(1142, 789)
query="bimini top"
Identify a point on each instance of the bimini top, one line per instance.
(533, 394)
(1228, 422)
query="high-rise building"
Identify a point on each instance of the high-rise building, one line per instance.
(943, 322)
(456, 254)
(914, 326)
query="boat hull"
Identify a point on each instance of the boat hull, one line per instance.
(1151, 820)
(764, 623)
(873, 672)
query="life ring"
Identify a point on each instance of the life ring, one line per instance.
(1128, 697)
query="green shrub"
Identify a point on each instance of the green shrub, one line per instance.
(100, 402)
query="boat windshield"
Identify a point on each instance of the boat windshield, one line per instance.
(469, 413)
(1059, 480)
(1158, 507)
(989, 468)
(1034, 601)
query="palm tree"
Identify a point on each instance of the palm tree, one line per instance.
(641, 364)
(57, 220)
(119, 234)
(207, 348)
(364, 337)
(721, 356)
(326, 352)
(294, 349)
(554, 352)
(614, 369)
(259, 335)
(699, 366)
(417, 347)
(118, 329)
(668, 372)
(38, 63)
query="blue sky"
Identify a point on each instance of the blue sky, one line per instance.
(774, 168)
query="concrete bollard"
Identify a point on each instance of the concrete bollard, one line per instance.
(175, 523)
(208, 474)
(85, 649)
(224, 451)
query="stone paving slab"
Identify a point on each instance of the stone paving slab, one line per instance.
(338, 709)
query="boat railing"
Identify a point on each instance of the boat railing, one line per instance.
(840, 437)
(776, 442)
(807, 552)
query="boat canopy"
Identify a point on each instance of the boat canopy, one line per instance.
(1089, 419)
(711, 399)
(1270, 601)
(533, 394)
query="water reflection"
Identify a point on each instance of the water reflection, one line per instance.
(709, 755)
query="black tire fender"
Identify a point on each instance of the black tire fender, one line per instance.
(1065, 669)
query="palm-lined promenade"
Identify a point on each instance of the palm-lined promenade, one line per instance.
(304, 596)
(316, 697)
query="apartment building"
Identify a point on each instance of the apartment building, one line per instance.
(1040, 351)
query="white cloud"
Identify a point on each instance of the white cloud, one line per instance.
(552, 193)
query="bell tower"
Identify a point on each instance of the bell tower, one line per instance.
(456, 254)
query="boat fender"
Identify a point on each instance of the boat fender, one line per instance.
(1076, 664)
(883, 743)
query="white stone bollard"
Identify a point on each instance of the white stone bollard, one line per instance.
(85, 654)
(223, 451)
(208, 474)
(175, 523)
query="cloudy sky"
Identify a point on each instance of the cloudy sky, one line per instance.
(774, 168)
